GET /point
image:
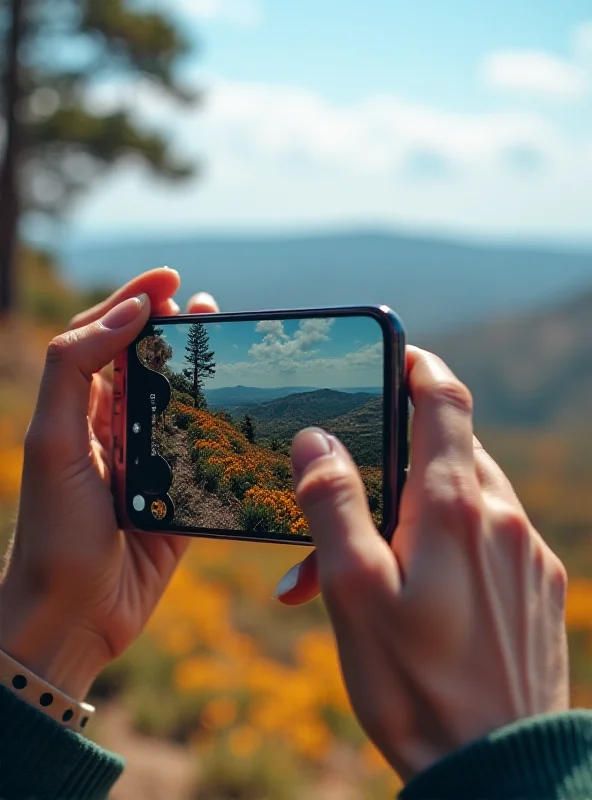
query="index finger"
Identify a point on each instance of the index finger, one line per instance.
(443, 415)
(159, 284)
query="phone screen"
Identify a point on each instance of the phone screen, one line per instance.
(213, 407)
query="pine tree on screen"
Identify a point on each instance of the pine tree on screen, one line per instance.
(200, 360)
(248, 429)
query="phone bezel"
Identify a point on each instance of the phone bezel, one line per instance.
(395, 412)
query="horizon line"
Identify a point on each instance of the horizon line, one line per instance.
(283, 386)
(262, 234)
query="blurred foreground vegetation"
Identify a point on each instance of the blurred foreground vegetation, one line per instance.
(249, 688)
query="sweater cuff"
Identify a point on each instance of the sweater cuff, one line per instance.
(41, 759)
(547, 756)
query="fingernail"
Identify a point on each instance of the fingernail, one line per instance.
(309, 445)
(288, 582)
(124, 313)
(204, 298)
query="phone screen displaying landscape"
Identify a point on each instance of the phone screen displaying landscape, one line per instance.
(240, 391)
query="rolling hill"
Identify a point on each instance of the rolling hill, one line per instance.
(527, 372)
(434, 284)
(354, 417)
(235, 396)
(283, 417)
(232, 397)
(530, 371)
(361, 432)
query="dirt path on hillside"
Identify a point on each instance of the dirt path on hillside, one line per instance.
(194, 505)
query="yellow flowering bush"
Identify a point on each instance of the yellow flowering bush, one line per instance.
(258, 480)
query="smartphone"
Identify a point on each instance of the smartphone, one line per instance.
(205, 408)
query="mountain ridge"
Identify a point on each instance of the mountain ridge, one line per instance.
(467, 281)
(300, 409)
(527, 371)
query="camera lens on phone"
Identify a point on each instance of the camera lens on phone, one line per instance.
(162, 511)
(154, 475)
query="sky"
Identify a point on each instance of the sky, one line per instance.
(461, 117)
(322, 353)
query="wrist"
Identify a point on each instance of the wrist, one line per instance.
(48, 642)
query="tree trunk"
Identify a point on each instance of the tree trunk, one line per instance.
(9, 175)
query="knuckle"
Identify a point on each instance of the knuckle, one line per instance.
(38, 446)
(559, 577)
(339, 484)
(455, 504)
(513, 524)
(345, 580)
(43, 443)
(59, 349)
(454, 393)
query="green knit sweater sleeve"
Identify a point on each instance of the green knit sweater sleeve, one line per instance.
(548, 757)
(42, 760)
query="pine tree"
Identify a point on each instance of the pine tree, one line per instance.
(55, 142)
(248, 429)
(200, 360)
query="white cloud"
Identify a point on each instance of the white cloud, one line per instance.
(243, 13)
(284, 352)
(244, 124)
(280, 156)
(367, 359)
(272, 326)
(535, 73)
(284, 123)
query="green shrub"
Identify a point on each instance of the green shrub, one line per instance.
(208, 475)
(181, 397)
(195, 432)
(261, 519)
(240, 483)
(183, 418)
(283, 475)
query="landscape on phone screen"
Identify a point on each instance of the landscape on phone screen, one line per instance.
(240, 392)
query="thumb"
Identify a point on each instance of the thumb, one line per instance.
(59, 430)
(352, 556)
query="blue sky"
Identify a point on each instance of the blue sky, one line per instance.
(473, 118)
(324, 353)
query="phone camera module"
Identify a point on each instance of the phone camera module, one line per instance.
(154, 476)
(158, 509)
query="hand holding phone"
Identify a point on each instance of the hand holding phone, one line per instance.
(205, 409)
(75, 591)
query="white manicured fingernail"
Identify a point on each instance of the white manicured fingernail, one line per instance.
(288, 582)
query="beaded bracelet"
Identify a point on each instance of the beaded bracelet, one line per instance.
(36, 692)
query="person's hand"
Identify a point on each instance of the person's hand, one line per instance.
(77, 591)
(457, 628)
